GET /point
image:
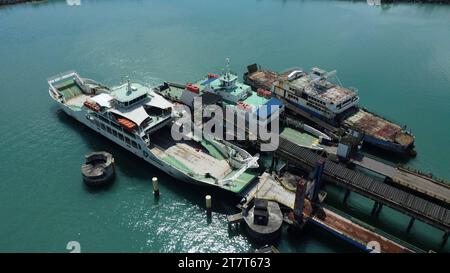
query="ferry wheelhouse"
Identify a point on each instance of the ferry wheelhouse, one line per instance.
(314, 93)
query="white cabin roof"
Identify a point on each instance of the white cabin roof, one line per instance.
(159, 101)
(136, 115)
(103, 100)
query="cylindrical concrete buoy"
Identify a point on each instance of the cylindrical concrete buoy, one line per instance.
(208, 201)
(155, 186)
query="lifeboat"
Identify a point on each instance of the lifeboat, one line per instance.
(92, 105)
(212, 76)
(264, 93)
(127, 124)
(192, 88)
(243, 106)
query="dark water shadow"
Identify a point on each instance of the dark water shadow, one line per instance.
(392, 157)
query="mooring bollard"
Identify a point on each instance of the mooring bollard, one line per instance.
(208, 201)
(155, 186)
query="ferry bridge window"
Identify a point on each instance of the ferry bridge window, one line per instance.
(153, 111)
(103, 119)
(347, 101)
(117, 126)
(129, 133)
(114, 133)
(102, 126)
(109, 130)
(134, 144)
(120, 137)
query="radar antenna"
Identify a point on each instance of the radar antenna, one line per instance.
(228, 64)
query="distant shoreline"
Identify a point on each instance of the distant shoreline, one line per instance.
(14, 2)
(417, 1)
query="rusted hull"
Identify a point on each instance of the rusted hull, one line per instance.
(379, 132)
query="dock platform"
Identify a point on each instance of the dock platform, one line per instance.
(359, 236)
(383, 194)
(408, 179)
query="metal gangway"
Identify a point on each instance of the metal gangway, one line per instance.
(434, 214)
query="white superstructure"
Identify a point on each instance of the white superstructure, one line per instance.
(314, 93)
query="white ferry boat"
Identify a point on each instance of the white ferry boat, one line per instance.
(131, 113)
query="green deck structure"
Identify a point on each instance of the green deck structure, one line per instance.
(212, 149)
(243, 180)
(300, 138)
(255, 100)
(69, 89)
(236, 186)
(172, 93)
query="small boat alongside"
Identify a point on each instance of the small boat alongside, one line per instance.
(98, 169)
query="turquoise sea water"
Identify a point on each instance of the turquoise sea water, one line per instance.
(398, 56)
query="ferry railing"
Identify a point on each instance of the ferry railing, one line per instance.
(60, 77)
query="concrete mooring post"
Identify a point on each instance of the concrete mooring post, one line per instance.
(208, 201)
(155, 186)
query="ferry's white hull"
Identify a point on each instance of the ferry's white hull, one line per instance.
(150, 158)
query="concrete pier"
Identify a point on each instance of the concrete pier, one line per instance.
(428, 211)
(413, 181)
(270, 189)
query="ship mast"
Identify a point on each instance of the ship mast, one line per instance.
(128, 85)
(227, 65)
(228, 80)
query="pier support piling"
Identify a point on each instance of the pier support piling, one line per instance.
(155, 186)
(347, 194)
(380, 206)
(272, 164)
(445, 238)
(410, 225)
(374, 209)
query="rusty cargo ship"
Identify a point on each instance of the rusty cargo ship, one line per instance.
(315, 96)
